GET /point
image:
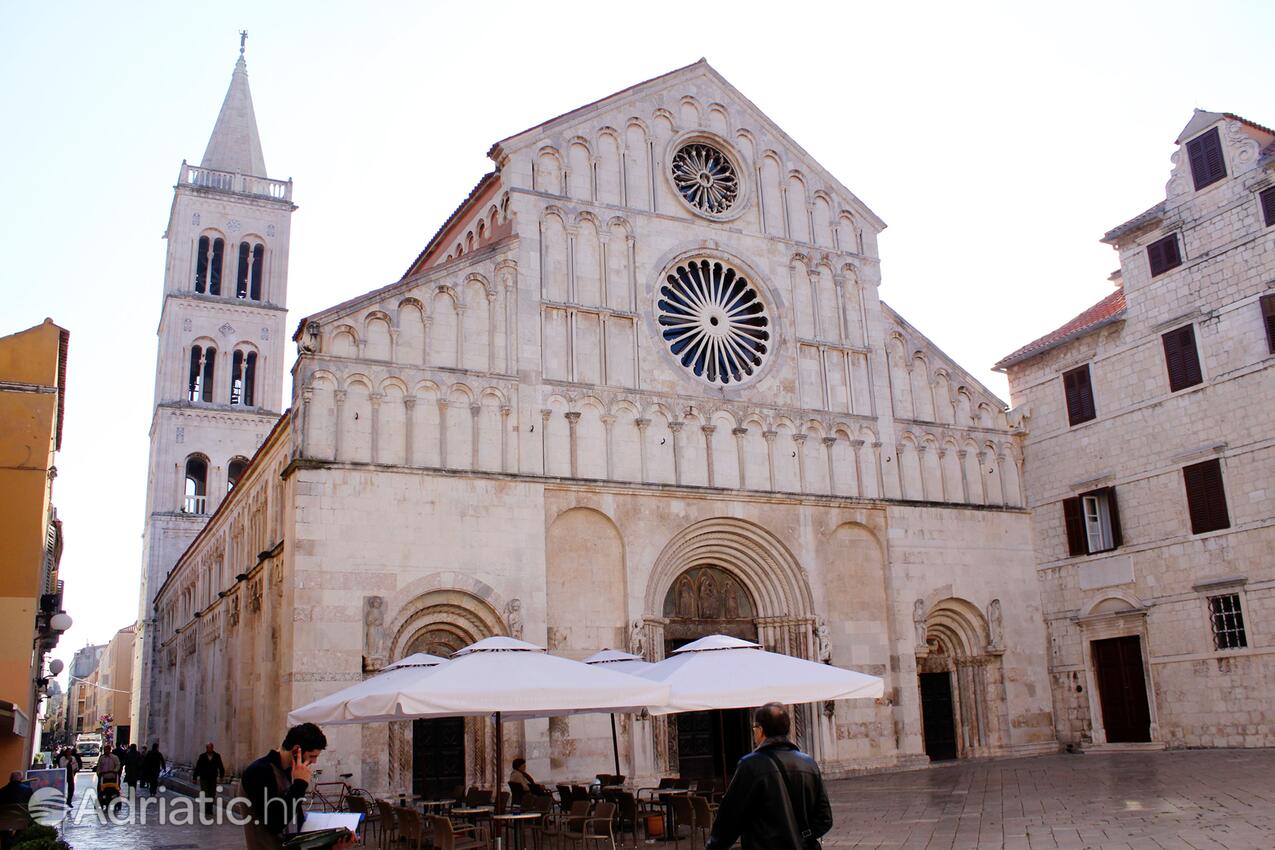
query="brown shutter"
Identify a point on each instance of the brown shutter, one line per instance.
(1155, 258)
(1113, 514)
(1207, 163)
(1073, 519)
(1268, 206)
(1163, 254)
(1181, 358)
(1206, 496)
(1268, 317)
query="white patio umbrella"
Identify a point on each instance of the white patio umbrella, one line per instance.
(419, 659)
(624, 662)
(725, 672)
(500, 676)
(335, 708)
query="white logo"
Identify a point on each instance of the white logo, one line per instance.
(47, 806)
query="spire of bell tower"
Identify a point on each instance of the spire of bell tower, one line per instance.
(235, 145)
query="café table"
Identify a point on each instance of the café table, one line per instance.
(514, 822)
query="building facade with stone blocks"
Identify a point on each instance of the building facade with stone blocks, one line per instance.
(639, 388)
(221, 347)
(1150, 456)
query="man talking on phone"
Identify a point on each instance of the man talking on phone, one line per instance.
(275, 785)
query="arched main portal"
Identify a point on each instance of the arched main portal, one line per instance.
(960, 681)
(724, 576)
(433, 756)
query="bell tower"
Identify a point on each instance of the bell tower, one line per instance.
(220, 362)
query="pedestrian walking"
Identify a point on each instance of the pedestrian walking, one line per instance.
(70, 761)
(209, 771)
(275, 785)
(776, 799)
(153, 764)
(108, 777)
(132, 768)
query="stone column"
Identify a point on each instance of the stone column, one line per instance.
(375, 398)
(460, 336)
(393, 344)
(573, 419)
(982, 480)
(828, 444)
(739, 434)
(769, 437)
(505, 411)
(307, 398)
(608, 427)
(491, 331)
(839, 286)
(642, 424)
(339, 401)
(475, 411)
(545, 415)
(708, 451)
(965, 477)
(426, 323)
(442, 433)
(876, 449)
(943, 475)
(857, 451)
(676, 428)
(1000, 471)
(921, 451)
(409, 430)
(799, 440)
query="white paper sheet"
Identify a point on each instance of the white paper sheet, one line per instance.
(314, 821)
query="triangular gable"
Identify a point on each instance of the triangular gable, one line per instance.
(702, 69)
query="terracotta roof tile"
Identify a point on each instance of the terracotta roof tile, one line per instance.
(1106, 310)
(1267, 130)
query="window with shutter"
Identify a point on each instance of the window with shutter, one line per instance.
(1207, 163)
(1205, 496)
(1092, 522)
(1163, 254)
(1268, 319)
(1079, 393)
(1181, 358)
(1267, 199)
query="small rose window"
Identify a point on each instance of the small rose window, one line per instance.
(706, 178)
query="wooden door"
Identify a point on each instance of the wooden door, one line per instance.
(938, 718)
(438, 756)
(1122, 689)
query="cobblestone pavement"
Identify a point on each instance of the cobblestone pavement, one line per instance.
(1186, 800)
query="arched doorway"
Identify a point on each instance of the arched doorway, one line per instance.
(434, 756)
(960, 682)
(708, 600)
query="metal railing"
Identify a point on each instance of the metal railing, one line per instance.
(230, 181)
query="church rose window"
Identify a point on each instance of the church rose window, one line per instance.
(706, 178)
(714, 321)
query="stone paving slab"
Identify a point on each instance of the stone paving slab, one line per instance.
(1182, 800)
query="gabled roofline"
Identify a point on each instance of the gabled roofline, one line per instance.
(499, 150)
(1048, 342)
(911, 329)
(458, 213)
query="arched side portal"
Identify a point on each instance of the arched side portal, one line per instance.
(725, 575)
(433, 756)
(961, 681)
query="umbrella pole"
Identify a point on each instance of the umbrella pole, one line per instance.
(500, 754)
(615, 746)
(721, 743)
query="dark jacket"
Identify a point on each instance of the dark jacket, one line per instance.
(15, 793)
(209, 767)
(272, 793)
(153, 763)
(754, 811)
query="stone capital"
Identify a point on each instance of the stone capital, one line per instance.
(829, 441)
(739, 432)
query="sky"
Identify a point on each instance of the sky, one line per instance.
(997, 141)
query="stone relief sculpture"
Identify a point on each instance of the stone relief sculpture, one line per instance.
(918, 623)
(995, 627)
(373, 633)
(637, 639)
(823, 643)
(513, 617)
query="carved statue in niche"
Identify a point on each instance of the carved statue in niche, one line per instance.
(513, 617)
(637, 639)
(373, 633)
(823, 643)
(708, 599)
(685, 599)
(995, 627)
(730, 595)
(918, 622)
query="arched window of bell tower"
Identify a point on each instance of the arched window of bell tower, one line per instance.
(234, 471)
(243, 377)
(248, 280)
(199, 382)
(196, 493)
(209, 258)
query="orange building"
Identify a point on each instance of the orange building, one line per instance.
(32, 397)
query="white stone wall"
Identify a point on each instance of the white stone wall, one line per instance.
(1142, 437)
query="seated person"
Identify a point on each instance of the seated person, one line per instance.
(519, 776)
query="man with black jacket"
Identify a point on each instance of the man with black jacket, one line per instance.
(208, 772)
(275, 785)
(776, 800)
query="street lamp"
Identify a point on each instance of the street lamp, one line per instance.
(60, 622)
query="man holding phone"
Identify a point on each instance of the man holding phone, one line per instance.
(275, 785)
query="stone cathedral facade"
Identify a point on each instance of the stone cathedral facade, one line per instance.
(640, 387)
